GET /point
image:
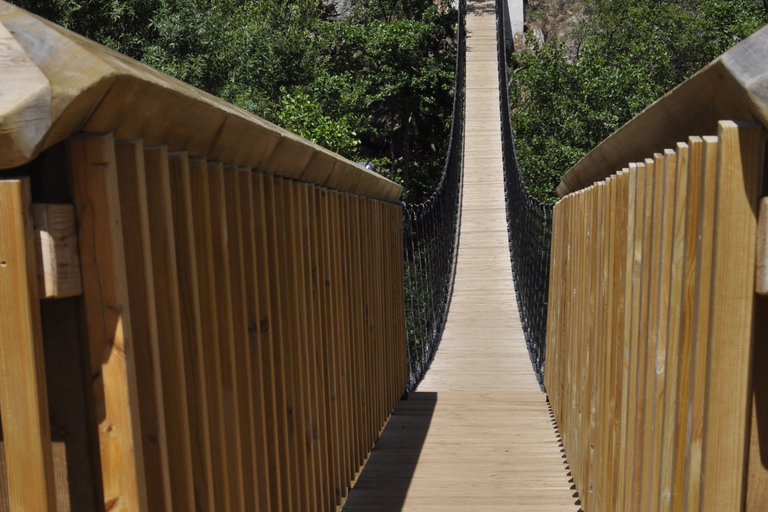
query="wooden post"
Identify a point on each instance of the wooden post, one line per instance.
(107, 319)
(728, 379)
(23, 394)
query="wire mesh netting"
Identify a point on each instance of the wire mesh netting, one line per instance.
(529, 224)
(430, 231)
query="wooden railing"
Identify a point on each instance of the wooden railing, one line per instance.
(656, 339)
(211, 317)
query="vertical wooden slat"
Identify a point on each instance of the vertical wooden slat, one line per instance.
(191, 330)
(23, 393)
(141, 292)
(279, 479)
(342, 352)
(726, 421)
(290, 341)
(241, 347)
(677, 258)
(649, 337)
(685, 332)
(264, 427)
(700, 328)
(632, 299)
(290, 484)
(171, 344)
(331, 316)
(304, 344)
(226, 335)
(207, 281)
(317, 338)
(106, 316)
(660, 329)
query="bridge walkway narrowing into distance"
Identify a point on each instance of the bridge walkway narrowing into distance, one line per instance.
(477, 434)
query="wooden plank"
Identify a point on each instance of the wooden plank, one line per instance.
(191, 330)
(23, 393)
(306, 425)
(634, 267)
(726, 422)
(208, 278)
(620, 276)
(342, 351)
(699, 337)
(761, 277)
(226, 335)
(655, 276)
(58, 261)
(273, 201)
(106, 315)
(321, 327)
(141, 293)
(278, 465)
(330, 317)
(660, 328)
(319, 405)
(243, 366)
(172, 345)
(693, 210)
(293, 332)
(672, 363)
(263, 425)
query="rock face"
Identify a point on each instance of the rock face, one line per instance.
(550, 19)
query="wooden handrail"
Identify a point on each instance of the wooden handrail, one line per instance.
(650, 334)
(234, 336)
(55, 82)
(734, 86)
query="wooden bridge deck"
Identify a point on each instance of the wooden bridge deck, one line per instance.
(477, 434)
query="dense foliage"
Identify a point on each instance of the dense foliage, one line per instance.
(628, 54)
(373, 82)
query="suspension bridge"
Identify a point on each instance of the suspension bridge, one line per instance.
(202, 311)
(477, 434)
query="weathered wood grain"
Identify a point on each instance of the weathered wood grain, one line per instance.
(23, 393)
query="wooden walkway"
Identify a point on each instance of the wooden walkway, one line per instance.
(478, 433)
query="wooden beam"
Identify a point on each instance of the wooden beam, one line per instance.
(106, 315)
(23, 393)
(58, 261)
(761, 265)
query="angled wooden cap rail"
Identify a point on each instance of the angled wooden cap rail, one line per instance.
(734, 86)
(55, 82)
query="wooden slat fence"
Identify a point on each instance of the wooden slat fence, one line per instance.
(235, 337)
(650, 332)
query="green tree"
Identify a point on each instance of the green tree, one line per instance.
(372, 83)
(630, 53)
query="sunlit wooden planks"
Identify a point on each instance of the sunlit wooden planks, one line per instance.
(106, 315)
(668, 436)
(23, 394)
(267, 329)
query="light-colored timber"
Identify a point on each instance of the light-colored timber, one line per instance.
(683, 381)
(477, 434)
(58, 261)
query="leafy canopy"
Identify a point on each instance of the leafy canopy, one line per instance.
(629, 53)
(372, 83)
